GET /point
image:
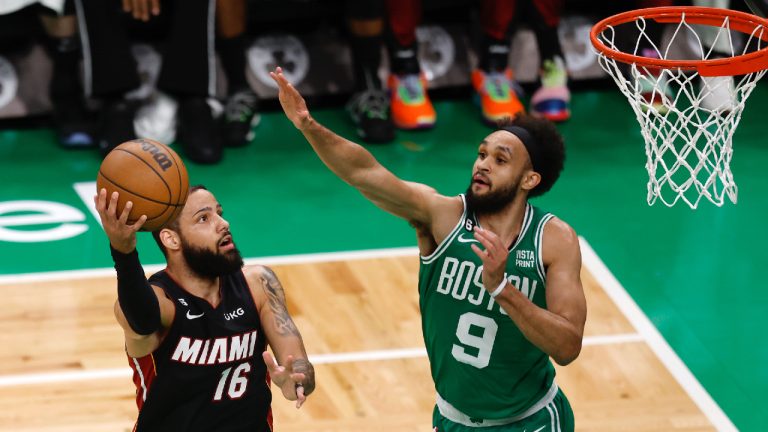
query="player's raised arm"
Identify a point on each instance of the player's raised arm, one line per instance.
(291, 371)
(355, 165)
(141, 310)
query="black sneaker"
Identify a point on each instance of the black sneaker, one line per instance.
(116, 126)
(240, 117)
(198, 129)
(369, 111)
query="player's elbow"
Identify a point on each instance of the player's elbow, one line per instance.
(568, 352)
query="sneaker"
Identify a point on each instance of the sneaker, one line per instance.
(156, 119)
(718, 94)
(240, 117)
(411, 107)
(198, 129)
(551, 100)
(369, 111)
(496, 91)
(116, 126)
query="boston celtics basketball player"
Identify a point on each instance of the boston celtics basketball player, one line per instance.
(500, 291)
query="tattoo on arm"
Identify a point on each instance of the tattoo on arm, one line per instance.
(305, 367)
(276, 296)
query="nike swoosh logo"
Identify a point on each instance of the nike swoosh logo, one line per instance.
(190, 316)
(461, 239)
(537, 430)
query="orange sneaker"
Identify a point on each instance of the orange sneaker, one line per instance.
(410, 104)
(497, 96)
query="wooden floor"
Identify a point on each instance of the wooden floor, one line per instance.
(62, 333)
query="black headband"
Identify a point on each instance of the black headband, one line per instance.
(534, 152)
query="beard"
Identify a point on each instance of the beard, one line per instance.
(210, 264)
(494, 200)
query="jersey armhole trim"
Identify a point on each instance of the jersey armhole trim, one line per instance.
(250, 293)
(449, 238)
(527, 220)
(538, 243)
(174, 322)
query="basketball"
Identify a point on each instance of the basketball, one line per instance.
(150, 175)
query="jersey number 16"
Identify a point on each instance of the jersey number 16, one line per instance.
(237, 385)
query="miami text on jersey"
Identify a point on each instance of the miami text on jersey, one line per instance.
(215, 351)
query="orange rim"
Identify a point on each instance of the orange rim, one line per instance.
(738, 21)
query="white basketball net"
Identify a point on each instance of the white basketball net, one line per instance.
(687, 121)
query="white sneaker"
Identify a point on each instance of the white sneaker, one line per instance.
(717, 94)
(157, 119)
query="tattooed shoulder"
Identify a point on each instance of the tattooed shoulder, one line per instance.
(276, 300)
(270, 283)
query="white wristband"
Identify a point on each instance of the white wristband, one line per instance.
(499, 289)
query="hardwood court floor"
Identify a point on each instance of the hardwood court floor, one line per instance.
(62, 365)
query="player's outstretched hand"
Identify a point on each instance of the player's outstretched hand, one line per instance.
(494, 257)
(290, 99)
(290, 382)
(121, 235)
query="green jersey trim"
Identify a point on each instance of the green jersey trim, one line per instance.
(538, 243)
(449, 238)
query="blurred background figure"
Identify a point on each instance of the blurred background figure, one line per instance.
(241, 106)
(70, 118)
(493, 78)
(411, 106)
(369, 106)
(654, 85)
(718, 93)
(188, 69)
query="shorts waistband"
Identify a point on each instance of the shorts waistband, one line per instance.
(453, 414)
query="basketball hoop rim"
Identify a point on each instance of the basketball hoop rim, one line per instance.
(739, 21)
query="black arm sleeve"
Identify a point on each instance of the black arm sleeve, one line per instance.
(137, 298)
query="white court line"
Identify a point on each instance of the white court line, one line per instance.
(655, 340)
(268, 260)
(317, 359)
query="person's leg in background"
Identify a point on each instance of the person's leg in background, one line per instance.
(552, 99)
(493, 78)
(655, 86)
(70, 118)
(369, 106)
(189, 74)
(410, 104)
(718, 93)
(241, 108)
(109, 69)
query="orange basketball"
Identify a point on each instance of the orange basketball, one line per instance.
(149, 174)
